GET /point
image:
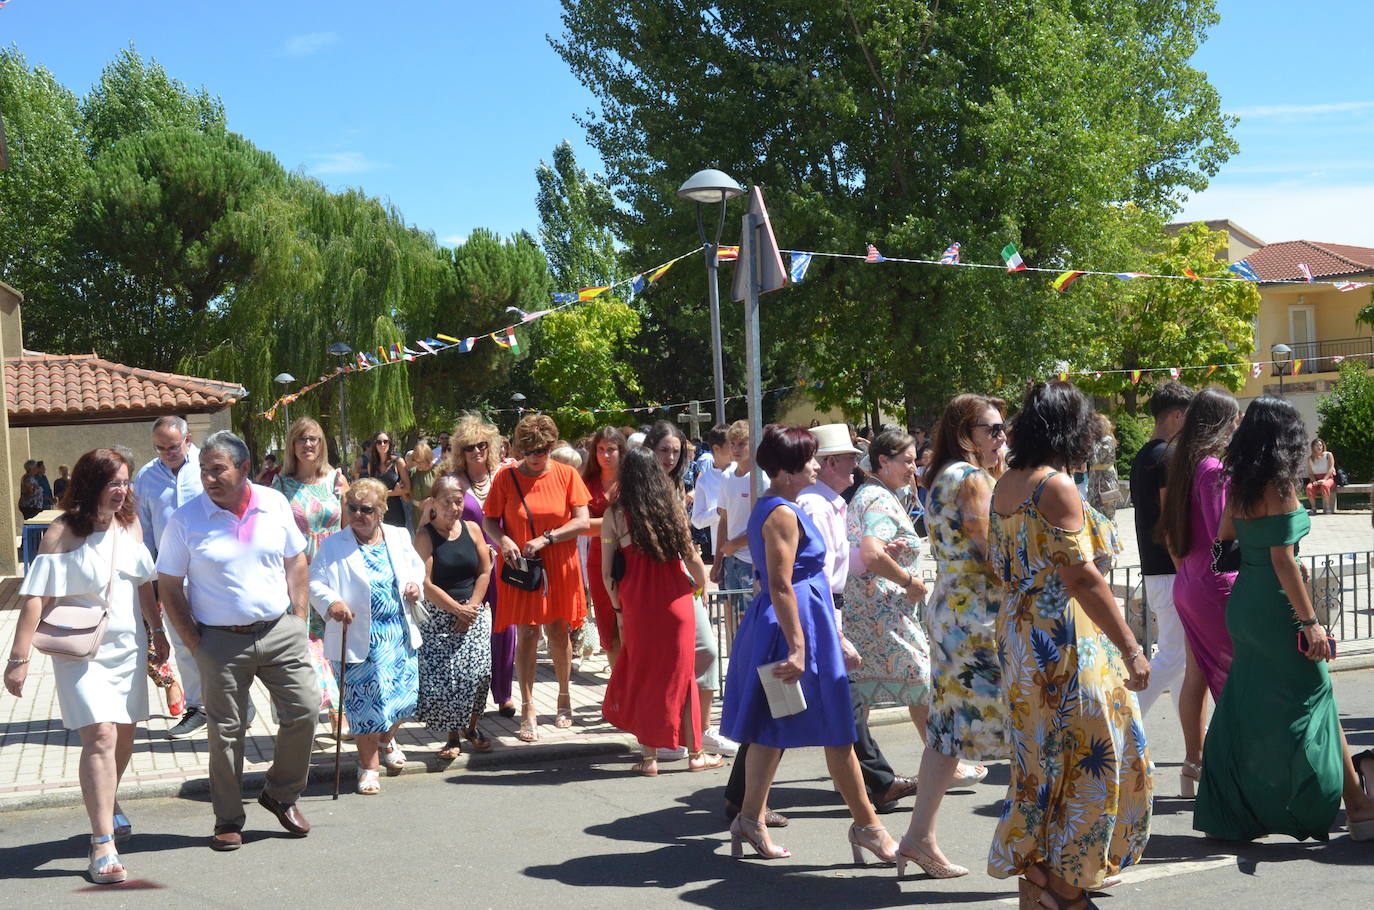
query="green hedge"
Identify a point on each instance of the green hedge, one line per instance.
(1347, 421)
(1131, 434)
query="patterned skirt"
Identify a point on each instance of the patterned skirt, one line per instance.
(455, 669)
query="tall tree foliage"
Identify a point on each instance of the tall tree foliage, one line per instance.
(138, 96)
(909, 126)
(580, 358)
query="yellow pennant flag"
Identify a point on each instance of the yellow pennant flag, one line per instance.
(1135, 376)
(1211, 369)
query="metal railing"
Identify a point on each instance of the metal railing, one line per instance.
(1341, 586)
(1315, 355)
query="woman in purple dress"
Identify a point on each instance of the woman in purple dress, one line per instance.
(1194, 499)
(790, 626)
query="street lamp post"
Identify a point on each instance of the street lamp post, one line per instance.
(284, 379)
(1283, 356)
(704, 187)
(343, 352)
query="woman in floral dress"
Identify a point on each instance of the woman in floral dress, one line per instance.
(1078, 805)
(315, 490)
(967, 714)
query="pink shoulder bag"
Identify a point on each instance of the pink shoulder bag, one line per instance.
(74, 631)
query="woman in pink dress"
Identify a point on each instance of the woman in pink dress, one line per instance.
(1195, 497)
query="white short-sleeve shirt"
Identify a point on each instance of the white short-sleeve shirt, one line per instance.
(734, 499)
(234, 567)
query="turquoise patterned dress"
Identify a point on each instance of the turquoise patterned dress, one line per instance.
(384, 688)
(967, 713)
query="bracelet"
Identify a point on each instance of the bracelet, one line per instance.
(159, 631)
(19, 660)
(910, 580)
(1308, 623)
(1134, 654)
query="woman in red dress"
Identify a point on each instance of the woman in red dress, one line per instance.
(653, 689)
(600, 474)
(538, 507)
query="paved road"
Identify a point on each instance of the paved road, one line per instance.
(584, 833)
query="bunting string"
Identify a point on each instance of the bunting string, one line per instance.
(1255, 367)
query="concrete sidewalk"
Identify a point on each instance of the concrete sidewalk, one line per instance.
(38, 757)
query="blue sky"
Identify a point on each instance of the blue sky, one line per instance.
(446, 108)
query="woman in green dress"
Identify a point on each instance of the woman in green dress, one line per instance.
(1276, 760)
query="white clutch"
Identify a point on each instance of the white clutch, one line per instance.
(784, 698)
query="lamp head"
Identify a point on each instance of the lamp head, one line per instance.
(339, 349)
(710, 185)
(1281, 351)
(284, 378)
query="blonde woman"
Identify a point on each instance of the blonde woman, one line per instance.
(367, 576)
(474, 455)
(423, 470)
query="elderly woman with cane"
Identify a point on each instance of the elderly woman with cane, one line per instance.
(369, 577)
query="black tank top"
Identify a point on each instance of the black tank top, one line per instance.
(455, 562)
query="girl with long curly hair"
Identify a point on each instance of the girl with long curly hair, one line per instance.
(1276, 759)
(645, 544)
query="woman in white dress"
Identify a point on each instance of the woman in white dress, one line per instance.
(93, 555)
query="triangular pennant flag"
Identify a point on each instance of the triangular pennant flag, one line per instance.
(466, 345)
(1189, 273)
(1135, 376)
(1338, 358)
(951, 255)
(1306, 272)
(1244, 270)
(531, 317)
(1352, 285)
(1097, 374)
(638, 283)
(1173, 372)
(564, 297)
(381, 352)
(1255, 370)
(449, 338)
(1063, 377)
(1127, 276)
(1297, 366)
(1211, 369)
(584, 294)
(506, 339)
(727, 253)
(873, 255)
(429, 348)
(799, 264)
(1013, 258)
(1061, 284)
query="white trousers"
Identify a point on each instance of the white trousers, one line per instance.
(1170, 660)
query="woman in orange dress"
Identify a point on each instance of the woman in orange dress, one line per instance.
(538, 507)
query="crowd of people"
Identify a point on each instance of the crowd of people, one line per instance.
(420, 584)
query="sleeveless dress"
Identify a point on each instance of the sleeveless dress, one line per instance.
(382, 689)
(601, 601)
(655, 675)
(1199, 593)
(967, 713)
(110, 687)
(395, 508)
(1080, 793)
(1272, 762)
(502, 642)
(829, 716)
(455, 667)
(878, 618)
(318, 514)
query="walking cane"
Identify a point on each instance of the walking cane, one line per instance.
(339, 714)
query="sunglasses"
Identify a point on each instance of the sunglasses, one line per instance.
(538, 452)
(994, 429)
(476, 447)
(354, 509)
(384, 442)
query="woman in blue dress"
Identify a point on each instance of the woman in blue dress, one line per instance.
(791, 623)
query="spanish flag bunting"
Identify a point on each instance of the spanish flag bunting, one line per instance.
(592, 293)
(1061, 284)
(727, 253)
(1135, 376)
(1189, 273)
(1211, 369)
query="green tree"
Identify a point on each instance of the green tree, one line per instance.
(579, 358)
(1346, 419)
(39, 190)
(908, 126)
(134, 96)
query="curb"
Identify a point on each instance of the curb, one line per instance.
(322, 773)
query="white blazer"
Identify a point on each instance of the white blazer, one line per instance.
(338, 572)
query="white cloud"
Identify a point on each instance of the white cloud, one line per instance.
(1331, 213)
(454, 239)
(1302, 110)
(309, 43)
(342, 163)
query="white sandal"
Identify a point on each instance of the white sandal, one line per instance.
(369, 781)
(391, 755)
(968, 773)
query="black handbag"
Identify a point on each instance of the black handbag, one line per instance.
(1225, 556)
(524, 572)
(1342, 478)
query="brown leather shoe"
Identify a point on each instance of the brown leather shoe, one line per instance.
(290, 816)
(901, 788)
(226, 839)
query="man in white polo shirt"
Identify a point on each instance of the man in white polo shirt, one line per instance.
(243, 616)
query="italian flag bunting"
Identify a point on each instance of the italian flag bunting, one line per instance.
(1013, 258)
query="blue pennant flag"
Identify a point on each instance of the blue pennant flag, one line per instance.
(565, 297)
(800, 263)
(1243, 270)
(638, 284)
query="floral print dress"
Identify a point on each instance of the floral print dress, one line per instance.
(967, 712)
(1080, 792)
(319, 513)
(882, 624)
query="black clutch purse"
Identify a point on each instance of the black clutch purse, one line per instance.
(1225, 556)
(524, 572)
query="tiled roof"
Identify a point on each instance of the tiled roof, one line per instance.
(55, 389)
(1279, 261)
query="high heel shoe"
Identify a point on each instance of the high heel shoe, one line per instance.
(101, 869)
(870, 839)
(739, 834)
(906, 852)
(123, 828)
(1188, 777)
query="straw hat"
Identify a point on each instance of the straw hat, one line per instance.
(833, 439)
